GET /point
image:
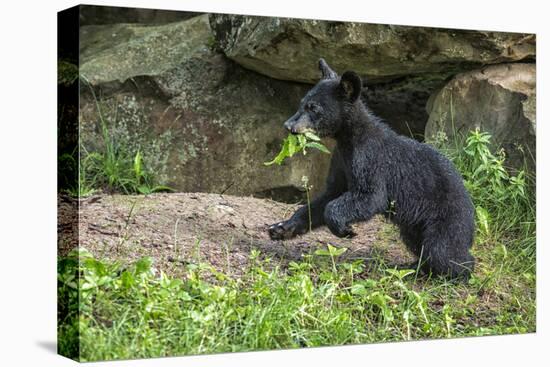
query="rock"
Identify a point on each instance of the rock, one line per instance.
(287, 48)
(402, 103)
(499, 99)
(200, 121)
(121, 51)
(96, 15)
(402, 65)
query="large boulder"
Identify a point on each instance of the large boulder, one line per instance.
(202, 122)
(286, 48)
(499, 99)
(118, 52)
(96, 15)
(402, 65)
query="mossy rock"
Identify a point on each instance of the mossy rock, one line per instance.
(201, 122)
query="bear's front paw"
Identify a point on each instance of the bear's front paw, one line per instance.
(336, 221)
(282, 230)
(340, 229)
(343, 232)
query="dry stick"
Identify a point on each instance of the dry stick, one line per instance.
(176, 238)
(95, 227)
(122, 238)
(227, 188)
(419, 263)
(198, 255)
(226, 245)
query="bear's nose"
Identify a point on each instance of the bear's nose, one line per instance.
(292, 129)
(289, 125)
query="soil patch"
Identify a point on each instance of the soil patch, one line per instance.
(183, 228)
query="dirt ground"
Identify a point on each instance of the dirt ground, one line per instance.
(182, 228)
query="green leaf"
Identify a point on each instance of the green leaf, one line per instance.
(483, 219)
(145, 190)
(322, 252)
(331, 251)
(319, 146)
(95, 267)
(184, 296)
(501, 251)
(302, 140)
(143, 265)
(137, 166)
(127, 279)
(335, 251)
(282, 154)
(358, 289)
(312, 136)
(295, 143)
(400, 273)
(162, 188)
(292, 144)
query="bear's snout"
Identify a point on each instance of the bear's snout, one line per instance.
(289, 125)
(298, 124)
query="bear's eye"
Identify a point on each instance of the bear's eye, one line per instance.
(313, 107)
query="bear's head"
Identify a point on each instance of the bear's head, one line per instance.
(324, 108)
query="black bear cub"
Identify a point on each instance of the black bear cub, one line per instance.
(373, 168)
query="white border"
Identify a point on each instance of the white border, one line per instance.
(28, 181)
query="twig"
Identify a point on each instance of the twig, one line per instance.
(95, 227)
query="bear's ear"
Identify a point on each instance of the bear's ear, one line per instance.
(326, 71)
(350, 86)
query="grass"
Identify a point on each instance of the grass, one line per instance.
(122, 311)
(114, 168)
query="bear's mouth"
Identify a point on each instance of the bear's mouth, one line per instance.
(303, 131)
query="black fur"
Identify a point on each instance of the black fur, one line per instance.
(372, 169)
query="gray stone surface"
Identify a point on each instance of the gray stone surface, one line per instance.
(285, 48)
(499, 99)
(202, 122)
(97, 15)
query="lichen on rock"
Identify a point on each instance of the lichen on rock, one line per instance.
(498, 99)
(200, 120)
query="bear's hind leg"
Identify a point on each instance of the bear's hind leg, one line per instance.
(412, 238)
(446, 254)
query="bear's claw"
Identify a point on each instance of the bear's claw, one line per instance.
(281, 231)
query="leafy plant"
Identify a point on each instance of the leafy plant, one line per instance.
(504, 201)
(332, 252)
(295, 143)
(111, 310)
(143, 180)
